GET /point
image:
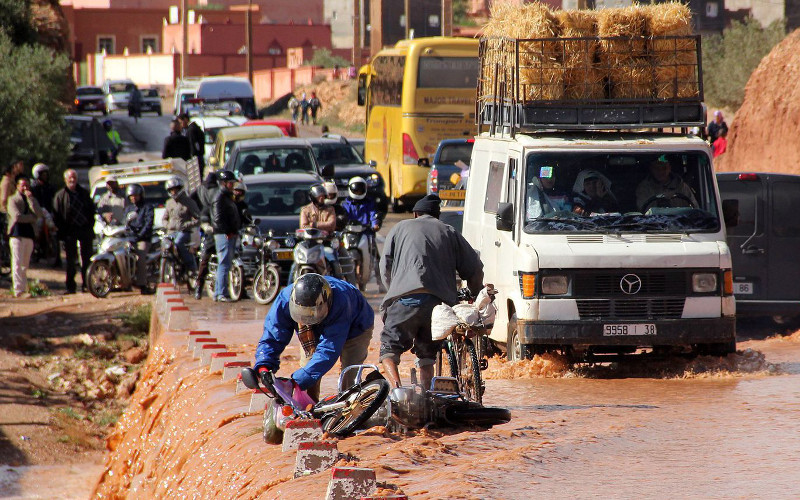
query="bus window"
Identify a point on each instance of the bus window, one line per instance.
(386, 86)
(448, 72)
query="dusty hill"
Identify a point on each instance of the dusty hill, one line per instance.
(764, 136)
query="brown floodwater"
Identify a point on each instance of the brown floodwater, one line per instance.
(705, 428)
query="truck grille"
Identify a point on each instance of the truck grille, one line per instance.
(623, 308)
(658, 283)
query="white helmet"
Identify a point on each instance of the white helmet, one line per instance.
(357, 188)
(331, 192)
(172, 183)
(38, 169)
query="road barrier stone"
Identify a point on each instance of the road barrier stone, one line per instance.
(314, 457)
(232, 369)
(218, 360)
(348, 483)
(208, 349)
(298, 431)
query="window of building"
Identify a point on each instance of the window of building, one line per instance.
(275, 49)
(149, 44)
(105, 43)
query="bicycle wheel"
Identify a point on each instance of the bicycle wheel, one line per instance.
(477, 415)
(445, 366)
(364, 401)
(464, 360)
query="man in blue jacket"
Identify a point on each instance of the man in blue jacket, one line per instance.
(332, 319)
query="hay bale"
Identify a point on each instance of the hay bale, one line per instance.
(542, 83)
(627, 27)
(669, 19)
(582, 80)
(676, 81)
(633, 80)
(584, 83)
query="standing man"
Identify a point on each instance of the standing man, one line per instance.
(204, 196)
(304, 109)
(139, 216)
(419, 263)
(226, 222)
(73, 213)
(294, 106)
(197, 139)
(111, 206)
(8, 185)
(23, 212)
(315, 106)
(333, 321)
(176, 145)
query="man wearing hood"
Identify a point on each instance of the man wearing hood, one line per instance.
(111, 205)
(591, 194)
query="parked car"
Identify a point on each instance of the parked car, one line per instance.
(89, 98)
(151, 101)
(448, 154)
(223, 140)
(288, 126)
(265, 156)
(218, 89)
(117, 94)
(763, 233)
(184, 92)
(89, 142)
(358, 143)
(276, 199)
(348, 164)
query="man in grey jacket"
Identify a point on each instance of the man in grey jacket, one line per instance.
(419, 263)
(181, 216)
(23, 212)
(111, 205)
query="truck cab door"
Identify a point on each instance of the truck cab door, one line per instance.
(506, 278)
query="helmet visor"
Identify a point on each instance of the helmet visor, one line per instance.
(308, 315)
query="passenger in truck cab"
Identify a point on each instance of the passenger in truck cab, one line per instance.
(662, 187)
(591, 194)
(544, 197)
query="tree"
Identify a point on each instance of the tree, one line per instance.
(729, 59)
(32, 79)
(324, 59)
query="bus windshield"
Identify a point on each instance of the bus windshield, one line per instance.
(619, 192)
(448, 72)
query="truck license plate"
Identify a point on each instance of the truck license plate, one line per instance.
(629, 329)
(743, 288)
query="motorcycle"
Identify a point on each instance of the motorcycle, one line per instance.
(340, 414)
(363, 250)
(171, 267)
(113, 267)
(310, 255)
(266, 280)
(235, 275)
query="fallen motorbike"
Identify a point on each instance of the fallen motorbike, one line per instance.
(113, 267)
(341, 414)
(171, 268)
(363, 250)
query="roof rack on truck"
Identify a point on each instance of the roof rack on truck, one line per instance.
(569, 84)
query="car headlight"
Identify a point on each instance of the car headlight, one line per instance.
(555, 285)
(704, 282)
(273, 245)
(373, 180)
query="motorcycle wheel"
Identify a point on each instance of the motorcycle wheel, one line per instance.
(477, 415)
(99, 279)
(235, 282)
(466, 369)
(167, 273)
(364, 401)
(360, 281)
(266, 285)
(272, 434)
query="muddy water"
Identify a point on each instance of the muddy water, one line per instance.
(704, 429)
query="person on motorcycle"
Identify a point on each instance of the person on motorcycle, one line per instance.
(333, 320)
(227, 223)
(362, 210)
(181, 216)
(318, 214)
(115, 139)
(204, 196)
(111, 205)
(139, 217)
(332, 196)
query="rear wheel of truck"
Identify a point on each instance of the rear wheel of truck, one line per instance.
(715, 349)
(515, 349)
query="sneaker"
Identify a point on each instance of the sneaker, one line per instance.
(223, 298)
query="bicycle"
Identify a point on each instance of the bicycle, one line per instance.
(463, 329)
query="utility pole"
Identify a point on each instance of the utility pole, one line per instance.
(249, 39)
(356, 56)
(408, 19)
(185, 47)
(447, 18)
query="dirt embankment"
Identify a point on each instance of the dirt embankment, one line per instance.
(339, 108)
(764, 135)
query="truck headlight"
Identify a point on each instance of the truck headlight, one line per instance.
(555, 285)
(373, 180)
(704, 282)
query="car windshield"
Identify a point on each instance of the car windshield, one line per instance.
(154, 193)
(89, 91)
(276, 198)
(267, 160)
(602, 192)
(115, 88)
(150, 93)
(336, 153)
(449, 154)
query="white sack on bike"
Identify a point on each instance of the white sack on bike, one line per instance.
(468, 314)
(443, 321)
(486, 306)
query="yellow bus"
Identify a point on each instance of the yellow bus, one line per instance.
(416, 93)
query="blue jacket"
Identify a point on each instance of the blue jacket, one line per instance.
(361, 211)
(142, 225)
(350, 316)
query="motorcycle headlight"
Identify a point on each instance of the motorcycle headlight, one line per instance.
(258, 242)
(704, 282)
(291, 242)
(334, 243)
(273, 245)
(373, 180)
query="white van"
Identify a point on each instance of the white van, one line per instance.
(216, 89)
(588, 257)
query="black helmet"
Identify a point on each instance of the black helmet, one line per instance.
(311, 299)
(225, 176)
(133, 189)
(317, 190)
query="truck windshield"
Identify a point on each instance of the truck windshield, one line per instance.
(619, 192)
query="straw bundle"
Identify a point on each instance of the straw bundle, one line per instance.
(542, 81)
(633, 80)
(582, 80)
(630, 25)
(675, 60)
(670, 19)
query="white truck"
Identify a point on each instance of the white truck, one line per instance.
(595, 250)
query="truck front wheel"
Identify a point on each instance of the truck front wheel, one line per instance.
(516, 350)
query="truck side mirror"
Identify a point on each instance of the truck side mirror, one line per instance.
(213, 161)
(730, 212)
(504, 220)
(328, 170)
(373, 163)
